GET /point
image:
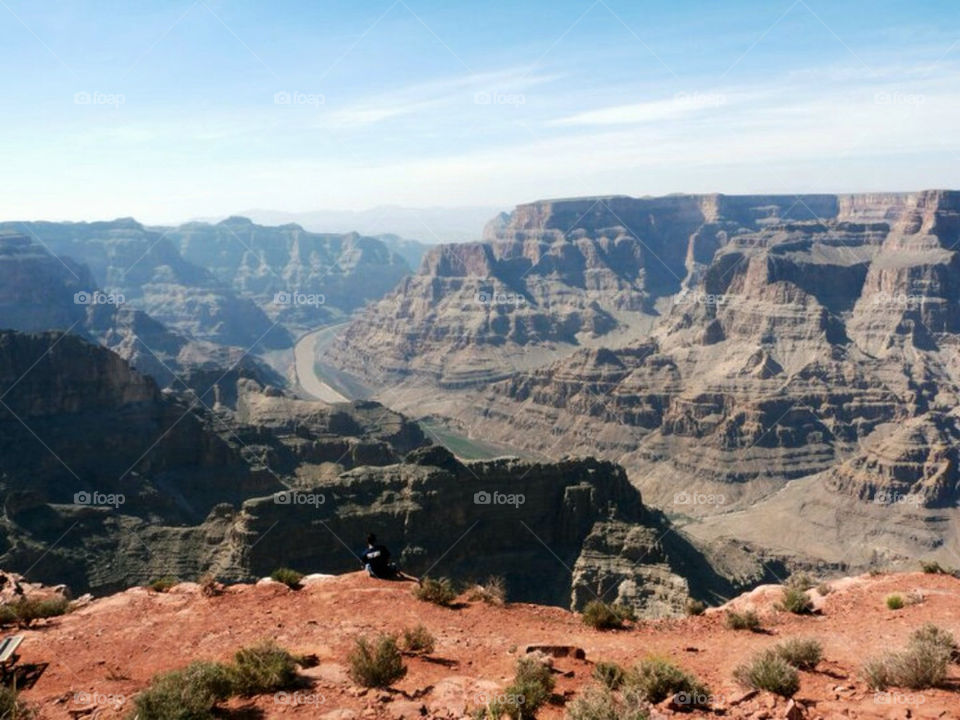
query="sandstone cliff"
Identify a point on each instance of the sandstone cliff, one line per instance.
(753, 341)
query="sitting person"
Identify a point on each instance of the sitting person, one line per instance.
(376, 561)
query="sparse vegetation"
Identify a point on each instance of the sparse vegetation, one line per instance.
(162, 584)
(746, 620)
(530, 690)
(796, 601)
(376, 663)
(263, 668)
(933, 568)
(656, 679)
(418, 640)
(11, 706)
(694, 607)
(823, 589)
(930, 633)
(439, 591)
(801, 653)
(493, 591)
(603, 616)
(289, 577)
(609, 674)
(922, 664)
(800, 581)
(26, 610)
(895, 601)
(768, 671)
(187, 694)
(600, 703)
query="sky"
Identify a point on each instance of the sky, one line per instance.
(167, 110)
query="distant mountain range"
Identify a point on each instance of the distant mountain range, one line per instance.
(233, 282)
(429, 226)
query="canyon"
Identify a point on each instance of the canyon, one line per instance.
(745, 358)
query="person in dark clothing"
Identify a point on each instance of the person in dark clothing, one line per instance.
(376, 561)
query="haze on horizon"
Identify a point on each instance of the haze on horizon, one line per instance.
(172, 110)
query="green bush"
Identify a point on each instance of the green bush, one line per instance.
(933, 568)
(439, 592)
(26, 610)
(162, 584)
(599, 703)
(8, 615)
(263, 668)
(530, 690)
(418, 640)
(823, 589)
(609, 674)
(657, 679)
(895, 601)
(288, 576)
(187, 694)
(601, 616)
(376, 663)
(768, 671)
(746, 620)
(796, 601)
(694, 607)
(801, 653)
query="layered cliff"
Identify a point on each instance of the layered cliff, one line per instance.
(761, 340)
(107, 481)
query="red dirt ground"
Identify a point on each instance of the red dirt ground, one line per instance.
(101, 655)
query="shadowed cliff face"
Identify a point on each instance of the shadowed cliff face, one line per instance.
(754, 341)
(107, 481)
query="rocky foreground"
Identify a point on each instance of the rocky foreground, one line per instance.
(102, 654)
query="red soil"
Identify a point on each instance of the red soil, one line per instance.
(101, 655)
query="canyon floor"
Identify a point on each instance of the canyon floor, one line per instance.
(101, 655)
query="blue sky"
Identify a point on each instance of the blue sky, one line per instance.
(172, 109)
